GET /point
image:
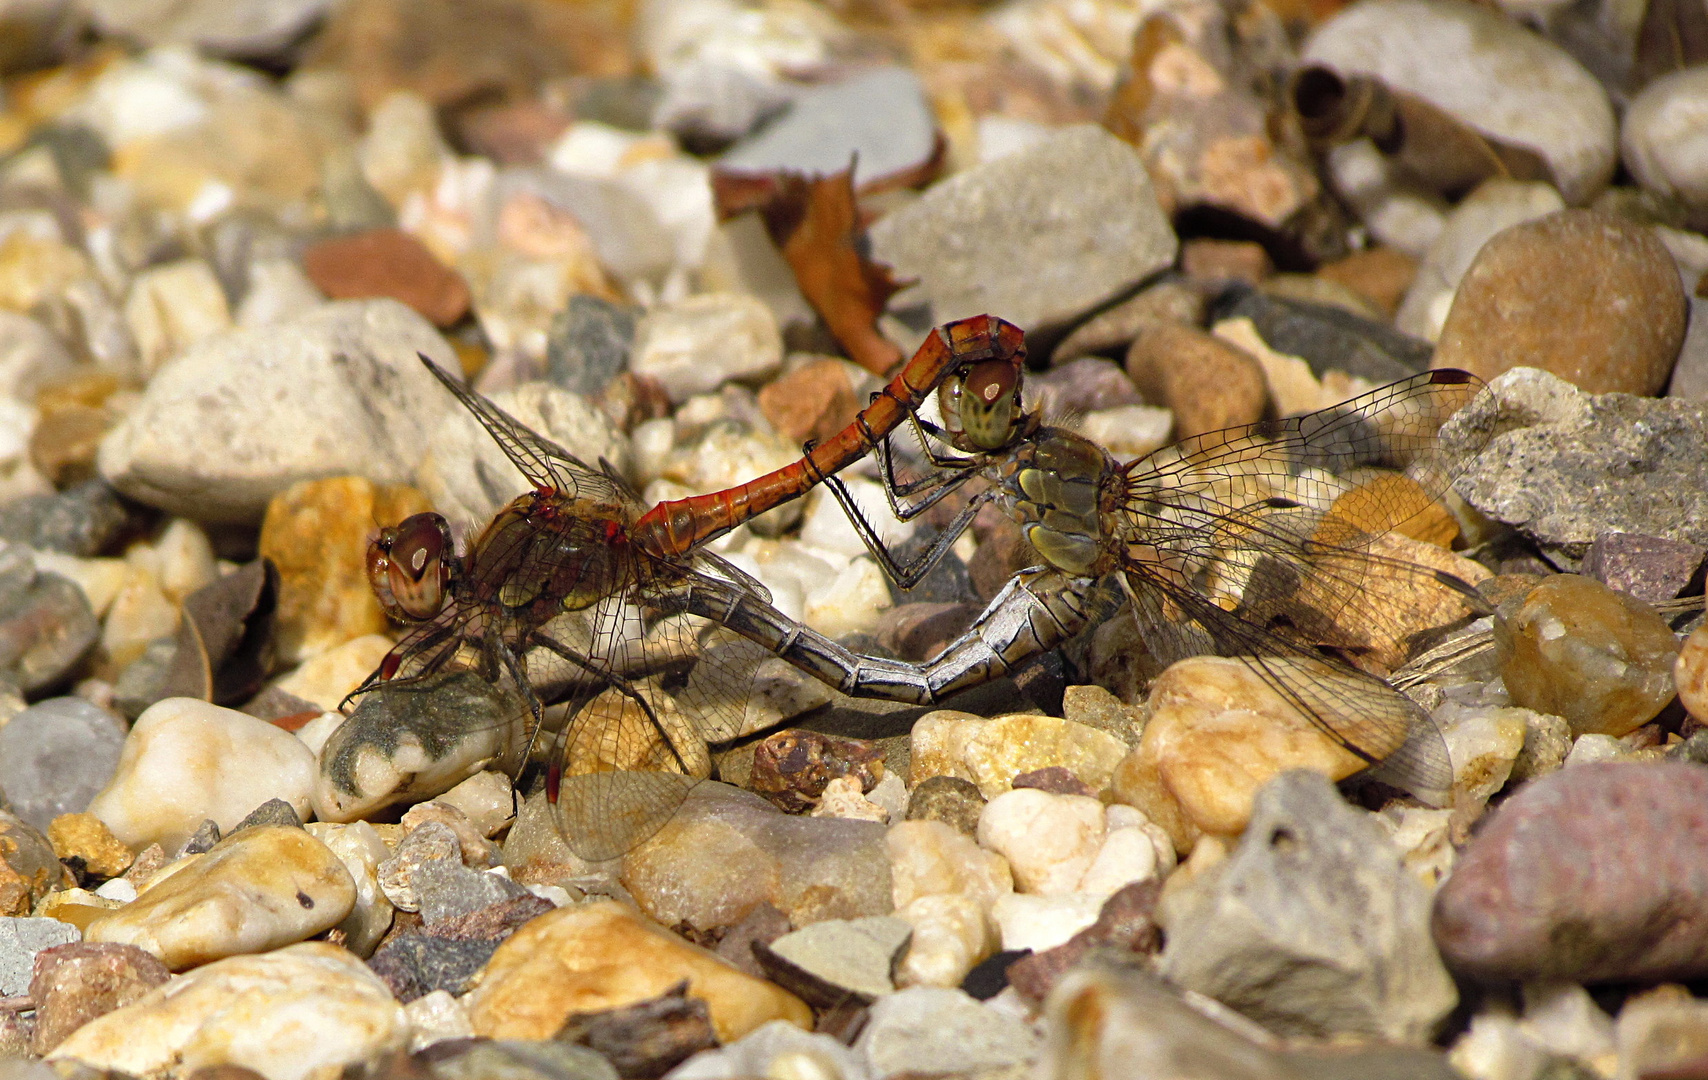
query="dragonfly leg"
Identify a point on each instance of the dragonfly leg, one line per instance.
(507, 658)
(906, 577)
(616, 682)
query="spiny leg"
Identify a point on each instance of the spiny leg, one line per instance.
(906, 577)
(617, 682)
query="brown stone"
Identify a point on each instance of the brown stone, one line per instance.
(814, 401)
(316, 532)
(1055, 779)
(1219, 262)
(1002, 552)
(1208, 382)
(1577, 649)
(512, 133)
(1596, 872)
(764, 924)
(389, 263)
(73, 984)
(1382, 274)
(86, 838)
(1127, 921)
(64, 443)
(29, 869)
(792, 767)
(1590, 297)
(949, 799)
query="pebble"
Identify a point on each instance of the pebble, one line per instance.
(288, 1014)
(1076, 208)
(951, 934)
(1585, 295)
(32, 357)
(792, 767)
(1311, 926)
(837, 960)
(1128, 431)
(1661, 1031)
(1207, 382)
(930, 858)
(1493, 207)
(171, 307)
(1027, 921)
(486, 799)
(1048, 840)
(1484, 745)
(56, 755)
(278, 292)
(436, 1017)
(324, 680)
(81, 520)
(992, 752)
(86, 838)
(930, 1029)
(391, 263)
(694, 346)
(879, 121)
(727, 850)
(951, 800)
(316, 533)
(1551, 887)
(415, 965)
(361, 850)
(812, 401)
(46, 625)
(589, 344)
(245, 414)
(1690, 673)
(1651, 568)
(21, 940)
(777, 1048)
(1557, 465)
(1126, 922)
(75, 983)
(404, 746)
(29, 866)
(187, 760)
(1660, 138)
(1523, 90)
(1216, 735)
(602, 955)
(1334, 344)
(1599, 658)
(256, 890)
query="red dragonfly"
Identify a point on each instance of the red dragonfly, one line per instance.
(574, 593)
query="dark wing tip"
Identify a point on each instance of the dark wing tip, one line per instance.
(1451, 377)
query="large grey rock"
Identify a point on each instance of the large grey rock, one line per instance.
(55, 756)
(1486, 71)
(1038, 237)
(881, 117)
(1565, 467)
(242, 415)
(1312, 927)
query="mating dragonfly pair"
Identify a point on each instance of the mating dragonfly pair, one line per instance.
(1259, 543)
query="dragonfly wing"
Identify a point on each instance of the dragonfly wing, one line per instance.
(1359, 712)
(543, 462)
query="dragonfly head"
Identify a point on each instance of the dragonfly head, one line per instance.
(410, 566)
(981, 401)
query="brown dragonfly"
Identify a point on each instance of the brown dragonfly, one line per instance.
(574, 594)
(1269, 543)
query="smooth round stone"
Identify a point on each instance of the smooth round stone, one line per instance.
(187, 761)
(929, 858)
(1590, 297)
(1209, 383)
(173, 306)
(856, 956)
(727, 851)
(487, 799)
(45, 623)
(387, 262)
(56, 755)
(1663, 138)
(1027, 921)
(991, 753)
(928, 1029)
(777, 1049)
(1592, 873)
(1486, 71)
(1601, 659)
(1217, 734)
(260, 888)
(1690, 673)
(951, 934)
(603, 955)
(1048, 840)
(299, 1012)
(697, 344)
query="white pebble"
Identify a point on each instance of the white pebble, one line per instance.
(1049, 840)
(1043, 922)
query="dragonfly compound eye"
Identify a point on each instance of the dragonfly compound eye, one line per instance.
(416, 564)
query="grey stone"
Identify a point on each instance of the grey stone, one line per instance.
(1565, 467)
(417, 964)
(626, 232)
(1078, 387)
(431, 842)
(1075, 210)
(1312, 927)
(447, 889)
(80, 520)
(516, 1059)
(243, 415)
(879, 119)
(1522, 90)
(235, 29)
(1690, 370)
(850, 957)
(26, 853)
(710, 104)
(56, 755)
(46, 624)
(1327, 338)
(949, 799)
(410, 742)
(20, 940)
(271, 812)
(929, 1029)
(589, 344)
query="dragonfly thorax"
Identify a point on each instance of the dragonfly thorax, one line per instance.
(1056, 485)
(542, 556)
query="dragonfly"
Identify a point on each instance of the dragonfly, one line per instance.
(1267, 543)
(575, 594)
